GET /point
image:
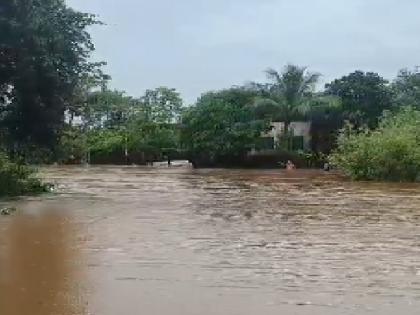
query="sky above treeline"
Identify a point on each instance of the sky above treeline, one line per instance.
(201, 45)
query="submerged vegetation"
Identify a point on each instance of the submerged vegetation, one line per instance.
(18, 179)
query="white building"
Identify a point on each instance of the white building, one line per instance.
(301, 131)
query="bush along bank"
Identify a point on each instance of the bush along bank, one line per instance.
(389, 153)
(18, 179)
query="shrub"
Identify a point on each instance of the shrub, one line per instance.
(73, 146)
(391, 152)
(17, 179)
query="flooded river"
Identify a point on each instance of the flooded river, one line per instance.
(178, 241)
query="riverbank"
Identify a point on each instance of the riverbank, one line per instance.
(18, 179)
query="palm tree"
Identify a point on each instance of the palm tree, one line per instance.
(290, 95)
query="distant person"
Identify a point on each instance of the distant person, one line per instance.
(327, 167)
(290, 166)
(169, 161)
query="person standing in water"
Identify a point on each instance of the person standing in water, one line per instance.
(290, 166)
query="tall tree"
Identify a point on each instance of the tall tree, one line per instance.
(162, 105)
(44, 55)
(221, 128)
(117, 124)
(406, 89)
(108, 109)
(288, 94)
(364, 96)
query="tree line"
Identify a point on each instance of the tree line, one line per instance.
(222, 127)
(56, 106)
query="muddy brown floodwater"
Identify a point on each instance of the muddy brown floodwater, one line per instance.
(178, 241)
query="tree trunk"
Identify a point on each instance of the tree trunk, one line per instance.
(287, 135)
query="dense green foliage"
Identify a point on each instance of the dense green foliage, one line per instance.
(55, 106)
(406, 89)
(364, 97)
(44, 57)
(162, 105)
(222, 127)
(157, 138)
(115, 127)
(73, 145)
(17, 179)
(391, 152)
(325, 124)
(106, 109)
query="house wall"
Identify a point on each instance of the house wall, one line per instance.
(299, 128)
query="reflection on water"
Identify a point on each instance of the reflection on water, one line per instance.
(180, 241)
(37, 270)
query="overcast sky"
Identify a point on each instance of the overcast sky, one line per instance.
(201, 45)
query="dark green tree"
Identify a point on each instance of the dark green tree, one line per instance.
(118, 125)
(406, 89)
(364, 96)
(110, 109)
(44, 55)
(221, 128)
(162, 105)
(150, 137)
